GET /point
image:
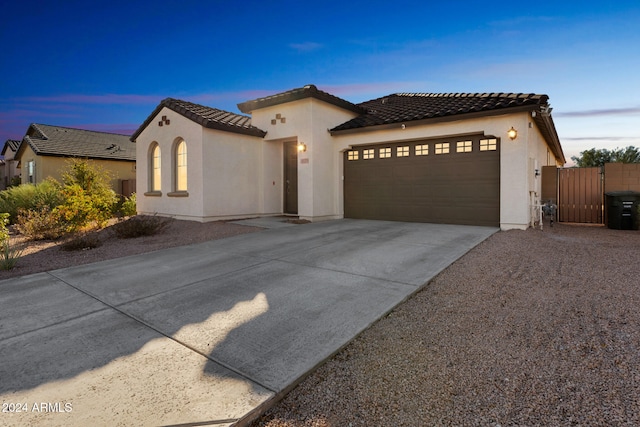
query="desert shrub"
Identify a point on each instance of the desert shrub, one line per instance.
(9, 255)
(42, 223)
(82, 242)
(4, 231)
(87, 195)
(29, 197)
(138, 226)
(128, 207)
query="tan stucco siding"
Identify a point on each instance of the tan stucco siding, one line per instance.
(53, 167)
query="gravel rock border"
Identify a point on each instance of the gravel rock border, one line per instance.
(532, 328)
(39, 256)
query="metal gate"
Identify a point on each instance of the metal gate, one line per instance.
(580, 195)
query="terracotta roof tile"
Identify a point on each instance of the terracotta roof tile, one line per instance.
(208, 117)
(308, 91)
(405, 107)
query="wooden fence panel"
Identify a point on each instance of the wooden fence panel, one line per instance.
(580, 196)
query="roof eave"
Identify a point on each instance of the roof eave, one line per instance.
(547, 128)
(433, 120)
(309, 91)
(210, 124)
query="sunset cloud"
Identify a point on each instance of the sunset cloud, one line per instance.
(597, 113)
(306, 46)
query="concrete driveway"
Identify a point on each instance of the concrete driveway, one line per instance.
(206, 334)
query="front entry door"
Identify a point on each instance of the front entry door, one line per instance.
(290, 178)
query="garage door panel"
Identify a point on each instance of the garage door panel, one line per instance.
(456, 188)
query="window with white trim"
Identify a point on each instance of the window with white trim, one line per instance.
(155, 176)
(181, 166)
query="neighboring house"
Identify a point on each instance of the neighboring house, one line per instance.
(442, 158)
(44, 152)
(10, 171)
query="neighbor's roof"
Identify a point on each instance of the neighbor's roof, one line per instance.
(433, 107)
(208, 117)
(47, 140)
(308, 91)
(13, 144)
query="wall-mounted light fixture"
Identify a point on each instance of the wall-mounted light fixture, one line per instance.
(302, 147)
(537, 172)
(512, 133)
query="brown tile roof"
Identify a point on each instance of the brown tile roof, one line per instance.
(47, 140)
(406, 107)
(308, 91)
(208, 117)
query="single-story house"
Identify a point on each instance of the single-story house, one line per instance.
(10, 172)
(45, 150)
(459, 158)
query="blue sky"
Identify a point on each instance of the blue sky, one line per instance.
(106, 65)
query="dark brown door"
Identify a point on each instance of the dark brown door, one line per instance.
(425, 181)
(290, 178)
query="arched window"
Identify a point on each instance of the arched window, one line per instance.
(155, 176)
(181, 166)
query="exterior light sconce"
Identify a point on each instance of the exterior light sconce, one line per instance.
(536, 173)
(512, 133)
(302, 147)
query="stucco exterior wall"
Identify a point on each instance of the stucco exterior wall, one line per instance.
(50, 166)
(185, 206)
(307, 121)
(235, 174)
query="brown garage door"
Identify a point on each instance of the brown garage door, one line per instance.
(448, 181)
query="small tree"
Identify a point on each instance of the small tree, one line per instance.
(87, 195)
(598, 157)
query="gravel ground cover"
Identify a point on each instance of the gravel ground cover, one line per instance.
(47, 255)
(530, 328)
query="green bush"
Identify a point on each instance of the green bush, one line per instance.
(40, 224)
(128, 207)
(82, 242)
(87, 195)
(29, 197)
(4, 231)
(138, 226)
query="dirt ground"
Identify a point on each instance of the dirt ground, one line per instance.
(530, 328)
(47, 255)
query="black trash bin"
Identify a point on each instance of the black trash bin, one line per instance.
(622, 210)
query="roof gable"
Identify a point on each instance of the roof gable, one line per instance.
(10, 144)
(208, 117)
(308, 91)
(47, 140)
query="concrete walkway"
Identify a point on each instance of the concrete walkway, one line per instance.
(206, 334)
